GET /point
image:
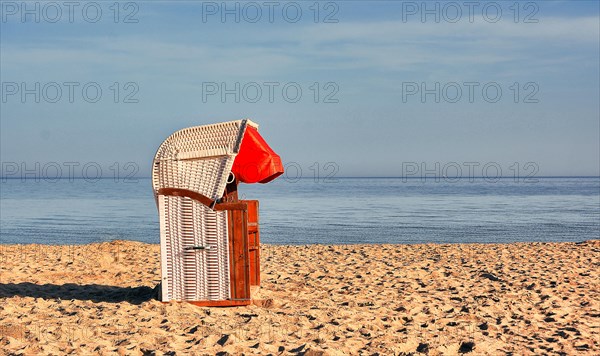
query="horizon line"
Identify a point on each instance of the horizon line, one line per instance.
(320, 178)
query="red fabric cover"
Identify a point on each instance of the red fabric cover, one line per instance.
(256, 161)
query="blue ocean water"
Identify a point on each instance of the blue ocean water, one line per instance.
(343, 211)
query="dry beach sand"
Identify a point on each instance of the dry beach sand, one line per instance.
(521, 299)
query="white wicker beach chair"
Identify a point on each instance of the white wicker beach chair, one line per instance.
(189, 177)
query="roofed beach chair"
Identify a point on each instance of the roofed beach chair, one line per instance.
(209, 238)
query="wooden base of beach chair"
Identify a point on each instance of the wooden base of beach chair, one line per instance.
(214, 303)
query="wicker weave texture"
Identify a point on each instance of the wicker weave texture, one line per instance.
(198, 158)
(192, 274)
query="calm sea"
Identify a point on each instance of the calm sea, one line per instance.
(349, 210)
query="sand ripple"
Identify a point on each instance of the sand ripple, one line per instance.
(525, 298)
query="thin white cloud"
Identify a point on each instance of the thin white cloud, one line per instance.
(385, 46)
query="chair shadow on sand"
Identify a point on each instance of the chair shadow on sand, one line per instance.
(92, 292)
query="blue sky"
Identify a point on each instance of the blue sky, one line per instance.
(367, 61)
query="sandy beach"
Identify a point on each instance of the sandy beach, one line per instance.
(521, 299)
